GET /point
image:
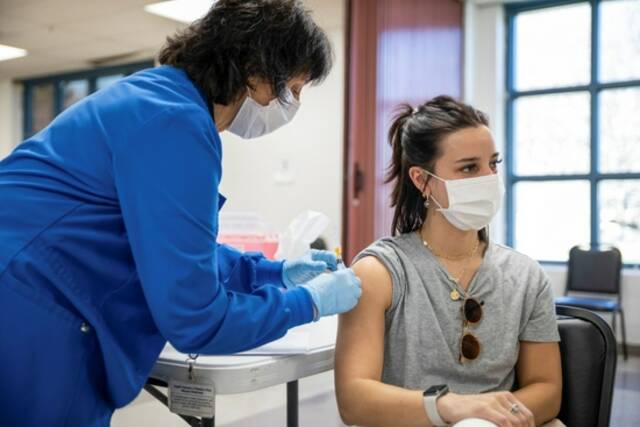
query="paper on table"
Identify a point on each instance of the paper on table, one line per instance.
(299, 340)
(295, 342)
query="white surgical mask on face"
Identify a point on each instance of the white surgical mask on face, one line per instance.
(254, 120)
(473, 202)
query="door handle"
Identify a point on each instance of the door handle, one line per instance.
(358, 180)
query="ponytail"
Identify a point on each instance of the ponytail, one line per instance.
(409, 210)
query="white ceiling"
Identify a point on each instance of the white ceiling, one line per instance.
(67, 35)
(64, 35)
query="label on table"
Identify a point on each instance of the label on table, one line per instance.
(192, 398)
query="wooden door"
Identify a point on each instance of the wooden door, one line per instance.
(400, 51)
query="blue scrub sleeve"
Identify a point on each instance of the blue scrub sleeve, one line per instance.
(167, 176)
(246, 271)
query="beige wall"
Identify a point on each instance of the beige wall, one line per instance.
(10, 116)
(299, 166)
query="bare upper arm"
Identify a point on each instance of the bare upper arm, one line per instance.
(539, 362)
(360, 342)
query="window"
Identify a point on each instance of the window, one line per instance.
(573, 129)
(46, 97)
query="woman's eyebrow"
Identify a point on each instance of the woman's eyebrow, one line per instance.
(473, 159)
(468, 159)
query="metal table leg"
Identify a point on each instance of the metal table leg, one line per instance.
(292, 404)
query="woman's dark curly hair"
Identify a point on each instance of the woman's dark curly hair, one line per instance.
(275, 40)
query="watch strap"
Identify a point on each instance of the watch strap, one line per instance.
(431, 408)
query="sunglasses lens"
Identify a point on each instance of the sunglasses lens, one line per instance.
(470, 347)
(472, 310)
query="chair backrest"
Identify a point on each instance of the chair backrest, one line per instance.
(588, 352)
(594, 270)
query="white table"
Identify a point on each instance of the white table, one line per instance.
(311, 347)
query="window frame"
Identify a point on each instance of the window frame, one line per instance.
(594, 88)
(56, 80)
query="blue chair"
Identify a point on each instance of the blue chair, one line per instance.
(596, 270)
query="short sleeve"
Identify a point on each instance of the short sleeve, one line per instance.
(541, 326)
(388, 256)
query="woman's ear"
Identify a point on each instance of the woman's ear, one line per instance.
(260, 90)
(253, 82)
(420, 179)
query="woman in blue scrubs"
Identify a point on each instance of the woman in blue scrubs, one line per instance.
(109, 217)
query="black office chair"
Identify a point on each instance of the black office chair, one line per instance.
(596, 271)
(588, 352)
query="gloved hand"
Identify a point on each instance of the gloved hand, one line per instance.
(334, 293)
(303, 269)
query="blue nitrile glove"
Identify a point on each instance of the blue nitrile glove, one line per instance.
(334, 293)
(303, 269)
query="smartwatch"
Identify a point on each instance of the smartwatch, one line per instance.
(430, 398)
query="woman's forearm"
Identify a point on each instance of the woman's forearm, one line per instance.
(543, 399)
(370, 403)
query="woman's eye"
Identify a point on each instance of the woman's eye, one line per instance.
(468, 168)
(494, 164)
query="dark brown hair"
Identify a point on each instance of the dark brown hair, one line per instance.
(415, 137)
(271, 39)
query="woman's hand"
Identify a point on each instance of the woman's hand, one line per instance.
(494, 407)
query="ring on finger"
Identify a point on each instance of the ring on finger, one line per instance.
(515, 408)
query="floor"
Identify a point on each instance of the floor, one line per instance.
(626, 396)
(264, 408)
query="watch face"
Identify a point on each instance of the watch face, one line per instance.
(435, 390)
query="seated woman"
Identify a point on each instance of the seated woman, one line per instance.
(450, 326)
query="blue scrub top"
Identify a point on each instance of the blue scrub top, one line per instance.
(108, 225)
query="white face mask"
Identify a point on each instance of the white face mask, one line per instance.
(254, 120)
(473, 202)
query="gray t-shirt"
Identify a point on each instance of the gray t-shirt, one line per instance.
(423, 325)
